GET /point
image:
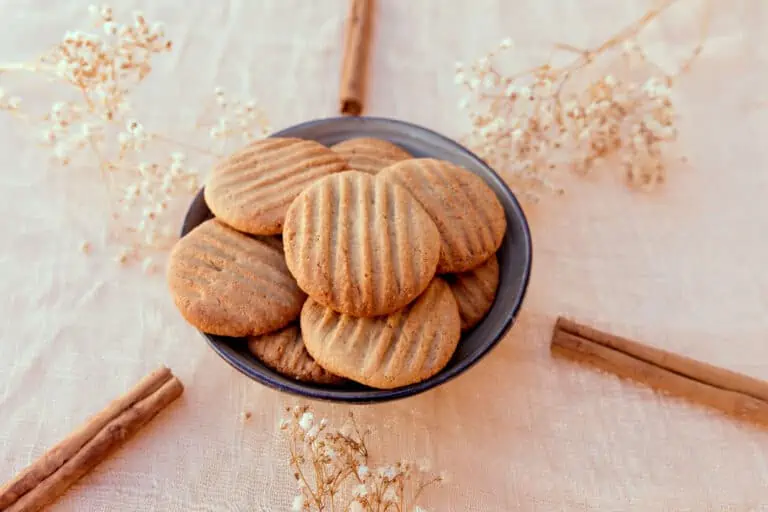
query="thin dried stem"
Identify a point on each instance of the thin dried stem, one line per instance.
(339, 459)
(632, 30)
(96, 121)
(532, 126)
(703, 35)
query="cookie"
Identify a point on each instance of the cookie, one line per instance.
(388, 351)
(370, 155)
(466, 211)
(252, 189)
(359, 245)
(284, 352)
(475, 291)
(227, 283)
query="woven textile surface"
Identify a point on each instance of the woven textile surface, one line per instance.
(682, 268)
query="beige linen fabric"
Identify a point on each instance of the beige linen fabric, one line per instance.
(683, 269)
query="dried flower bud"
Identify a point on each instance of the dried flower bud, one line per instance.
(306, 421)
(131, 191)
(110, 28)
(176, 168)
(122, 256)
(149, 214)
(387, 472)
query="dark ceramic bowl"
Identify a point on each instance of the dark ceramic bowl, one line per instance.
(514, 260)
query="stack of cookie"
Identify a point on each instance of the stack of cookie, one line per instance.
(355, 262)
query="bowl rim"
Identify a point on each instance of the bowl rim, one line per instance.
(298, 388)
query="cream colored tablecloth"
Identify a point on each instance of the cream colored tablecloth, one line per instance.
(683, 269)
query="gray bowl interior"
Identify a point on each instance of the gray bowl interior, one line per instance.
(514, 259)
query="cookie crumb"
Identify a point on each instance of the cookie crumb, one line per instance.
(247, 415)
(85, 247)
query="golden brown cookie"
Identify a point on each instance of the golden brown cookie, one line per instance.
(466, 211)
(252, 189)
(359, 245)
(388, 351)
(370, 155)
(227, 283)
(475, 291)
(284, 352)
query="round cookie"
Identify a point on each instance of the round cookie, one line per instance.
(361, 246)
(227, 283)
(388, 351)
(252, 189)
(474, 291)
(370, 155)
(284, 352)
(466, 211)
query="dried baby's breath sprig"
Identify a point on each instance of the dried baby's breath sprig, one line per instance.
(331, 469)
(607, 106)
(235, 120)
(95, 119)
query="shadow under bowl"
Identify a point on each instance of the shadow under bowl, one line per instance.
(514, 257)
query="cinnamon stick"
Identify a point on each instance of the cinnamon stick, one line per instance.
(64, 464)
(730, 392)
(357, 35)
